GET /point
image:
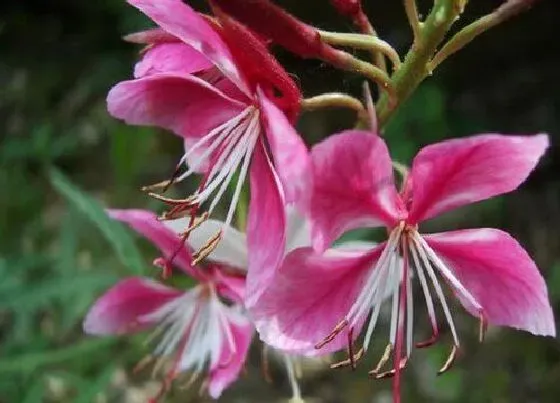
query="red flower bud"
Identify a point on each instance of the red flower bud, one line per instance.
(272, 22)
(260, 66)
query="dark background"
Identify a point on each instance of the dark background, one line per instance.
(59, 58)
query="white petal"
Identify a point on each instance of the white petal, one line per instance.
(298, 230)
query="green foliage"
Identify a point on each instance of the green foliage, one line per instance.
(115, 233)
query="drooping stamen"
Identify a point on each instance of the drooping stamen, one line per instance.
(296, 392)
(483, 327)
(428, 298)
(336, 331)
(384, 358)
(208, 248)
(196, 222)
(450, 360)
(441, 296)
(391, 373)
(349, 361)
(266, 364)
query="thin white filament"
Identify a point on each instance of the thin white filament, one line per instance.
(449, 274)
(438, 289)
(424, 284)
(296, 393)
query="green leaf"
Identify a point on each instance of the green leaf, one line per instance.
(32, 362)
(114, 232)
(35, 392)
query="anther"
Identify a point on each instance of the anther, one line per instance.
(195, 224)
(266, 364)
(391, 373)
(207, 249)
(144, 362)
(192, 379)
(349, 361)
(430, 342)
(450, 360)
(189, 201)
(337, 329)
(483, 326)
(384, 358)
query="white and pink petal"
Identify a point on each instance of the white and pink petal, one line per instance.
(500, 275)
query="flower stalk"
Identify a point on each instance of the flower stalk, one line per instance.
(466, 35)
(415, 67)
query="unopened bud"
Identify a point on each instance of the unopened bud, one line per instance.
(273, 22)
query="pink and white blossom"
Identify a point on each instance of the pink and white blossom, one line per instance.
(197, 330)
(214, 84)
(319, 295)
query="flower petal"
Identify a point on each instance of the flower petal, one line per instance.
(173, 58)
(298, 231)
(232, 249)
(232, 356)
(312, 293)
(188, 106)
(182, 21)
(500, 275)
(266, 226)
(289, 152)
(462, 171)
(170, 245)
(119, 309)
(353, 186)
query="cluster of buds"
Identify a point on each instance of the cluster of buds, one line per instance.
(213, 81)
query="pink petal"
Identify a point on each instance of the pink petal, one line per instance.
(150, 36)
(311, 294)
(187, 105)
(229, 285)
(173, 58)
(231, 360)
(146, 224)
(183, 22)
(353, 186)
(501, 276)
(266, 226)
(462, 171)
(119, 309)
(289, 152)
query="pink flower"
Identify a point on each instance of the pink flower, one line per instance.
(197, 331)
(215, 84)
(317, 295)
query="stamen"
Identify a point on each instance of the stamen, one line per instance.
(192, 379)
(450, 360)
(207, 249)
(143, 363)
(391, 373)
(296, 393)
(384, 358)
(349, 361)
(194, 225)
(189, 201)
(266, 364)
(337, 329)
(483, 327)
(448, 274)
(437, 287)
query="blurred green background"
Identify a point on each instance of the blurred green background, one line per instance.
(58, 252)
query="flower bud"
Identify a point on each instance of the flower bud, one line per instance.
(272, 22)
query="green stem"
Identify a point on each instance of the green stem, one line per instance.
(415, 66)
(360, 41)
(336, 100)
(470, 32)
